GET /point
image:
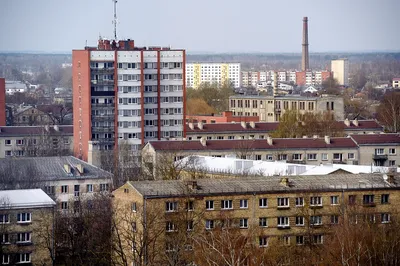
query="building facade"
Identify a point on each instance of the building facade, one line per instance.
(225, 117)
(270, 212)
(129, 93)
(309, 78)
(220, 73)
(270, 108)
(340, 71)
(396, 83)
(24, 216)
(2, 102)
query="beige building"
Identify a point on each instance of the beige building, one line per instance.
(260, 130)
(396, 83)
(29, 116)
(270, 108)
(340, 70)
(25, 217)
(267, 212)
(36, 141)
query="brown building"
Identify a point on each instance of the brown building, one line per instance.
(2, 102)
(266, 211)
(26, 231)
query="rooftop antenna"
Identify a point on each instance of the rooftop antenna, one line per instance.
(115, 19)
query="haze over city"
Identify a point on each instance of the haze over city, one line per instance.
(207, 26)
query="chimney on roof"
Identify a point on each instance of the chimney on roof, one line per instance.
(355, 122)
(67, 168)
(191, 125)
(270, 141)
(243, 124)
(203, 141)
(56, 128)
(252, 124)
(80, 168)
(284, 181)
(47, 128)
(200, 125)
(327, 140)
(347, 122)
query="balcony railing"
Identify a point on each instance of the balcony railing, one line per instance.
(102, 82)
(102, 117)
(103, 105)
(95, 70)
(103, 129)
(379, 156)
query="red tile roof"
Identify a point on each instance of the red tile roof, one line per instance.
(272, 126)
(256, 144)
(34, 130)
(372, 139)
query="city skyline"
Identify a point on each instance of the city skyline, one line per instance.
(48, 26)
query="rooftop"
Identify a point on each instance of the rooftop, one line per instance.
(53, 168)
(373, 139)
(262, 185)
(282, 97)
(24, 198)
(13, 131)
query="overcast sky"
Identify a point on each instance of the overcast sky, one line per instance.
(203, 25)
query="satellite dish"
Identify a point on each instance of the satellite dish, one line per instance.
(385, 177)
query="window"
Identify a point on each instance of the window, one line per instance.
(24, 257)
(334, 200)
(379, 151)
(312, 156)
(282, 157)
(334, 219)
(317, 239)
(283, 202)
(50, 190)
(385, 198)
(243, 204)
(209, 224)
(324, 156)
(103, 187)
(64, 189)
(299, 201)
(392, 151)
(4, 218)
(352, 199)
(64, 205)
(170, 227)
(299, 240)
(4, 239)
(316, 220)
(244, 223)
(283, 221)
(226, 204)
(299, 220)
(350, 156)
(385, 217)
(24, 217)
(368, 199)
(337, 156)
(20, 142)
(6, 259)
(133, 207)
(263, 203)
(392, 162)
(89, 188)
(263, 241)
(263, 222)
(8, 142)
(171, 206)
(269, 157)
(209, 205)
(297, 157)
(24, 237)
(285, 240)
(189, 206)
(189, 225)
(315, 201)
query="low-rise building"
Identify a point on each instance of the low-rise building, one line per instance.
(15, 86)
(26, 231)
(396, 83)
(36, 140)
(250, 129)
(270, 108)
(29, 116)
(271, 211)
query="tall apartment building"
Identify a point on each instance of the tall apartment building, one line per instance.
(197, 73)
(270, 108)
(308, 78)
(125, 92)
(2, 102)
(340, 71)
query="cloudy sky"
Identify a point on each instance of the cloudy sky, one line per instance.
(203, 26)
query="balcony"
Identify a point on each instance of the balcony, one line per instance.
(105, 140)
(102, 82)
(107, 129)
(369, 204)
(95, 70)
(319, 206)
(103, 117)
(380, 157)
(283, 227)
(103, 105)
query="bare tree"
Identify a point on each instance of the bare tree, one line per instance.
(389, 112)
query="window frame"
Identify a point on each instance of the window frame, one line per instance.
(299, 200)
(209, 205)
(226, 204)
(171, 206)
(334, 200)
(243, 204)
(24, 217)
(263, 202)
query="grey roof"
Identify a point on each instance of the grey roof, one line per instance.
(24, 198)
(32, 131)
(262, 185)
(52, 168)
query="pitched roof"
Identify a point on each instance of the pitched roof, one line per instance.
(363, 125)
(10, 131)
(24, 198)
(262, 185)
(52, 168)
(372, 139)
(255, 144)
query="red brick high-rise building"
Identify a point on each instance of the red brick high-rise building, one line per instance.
(122, 92)
(2, 102)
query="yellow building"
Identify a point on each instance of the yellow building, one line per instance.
(340, 71)
(180, 216)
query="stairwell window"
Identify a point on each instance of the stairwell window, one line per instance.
(263, 222)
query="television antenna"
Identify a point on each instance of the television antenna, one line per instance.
(115, 19)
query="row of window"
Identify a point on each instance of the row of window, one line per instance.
(32, 141)
(77, 189)
(137, 77)
(154, 65)
(25, 237)
(21, 258)
(23, 217)
(282, 202)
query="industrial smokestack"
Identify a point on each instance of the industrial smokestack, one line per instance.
(275, 91)
(304, 60)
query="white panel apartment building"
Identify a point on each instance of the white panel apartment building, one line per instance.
(340, 70)
(198, 73)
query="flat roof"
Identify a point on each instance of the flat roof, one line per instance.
(25, 198)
